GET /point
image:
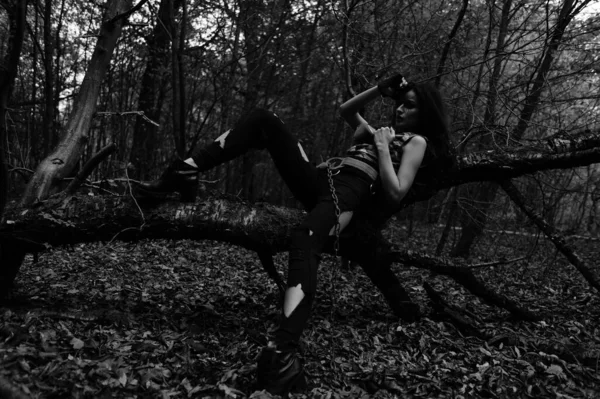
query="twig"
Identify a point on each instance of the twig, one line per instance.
(16, 169)
(122, 231)
(139, 209)
(125, 113)
(496, 263)
(96, 187)
(137, 181)
(135, 201)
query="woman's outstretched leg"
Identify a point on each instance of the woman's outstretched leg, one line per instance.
(260, 129)
(279, 370)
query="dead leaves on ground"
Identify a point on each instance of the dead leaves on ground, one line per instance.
(181, 319)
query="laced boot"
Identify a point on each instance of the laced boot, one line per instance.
(179, 177)
(280, 373)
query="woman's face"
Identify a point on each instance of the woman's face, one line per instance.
(407, 113)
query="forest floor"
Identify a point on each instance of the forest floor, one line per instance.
(185, 319)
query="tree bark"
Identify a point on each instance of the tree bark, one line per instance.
(61, 162)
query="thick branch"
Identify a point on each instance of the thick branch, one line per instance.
(557, 152)
(89, 167)
(460, 272)
(127, 13)
(451, 37)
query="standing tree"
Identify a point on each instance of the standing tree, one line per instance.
(152, 91)
(61, 162)
(16, 12)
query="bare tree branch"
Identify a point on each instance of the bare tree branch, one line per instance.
(127, 13)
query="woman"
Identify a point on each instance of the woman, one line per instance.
(389, 156)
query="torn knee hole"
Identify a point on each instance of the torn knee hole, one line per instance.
(293, 296)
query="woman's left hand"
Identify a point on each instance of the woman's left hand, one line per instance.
(384, 136)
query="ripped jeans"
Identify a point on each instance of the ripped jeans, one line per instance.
(262, 129)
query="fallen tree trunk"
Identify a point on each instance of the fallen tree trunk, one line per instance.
(78, 219)
(266, 228)
(262, 228)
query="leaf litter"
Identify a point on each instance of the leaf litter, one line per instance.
(187, 319)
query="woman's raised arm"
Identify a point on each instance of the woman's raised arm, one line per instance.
(349, 110)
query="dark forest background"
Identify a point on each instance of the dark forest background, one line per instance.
(182, 72)
(106, 92)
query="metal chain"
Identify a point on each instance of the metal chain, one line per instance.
(336, 202)
(336, 248)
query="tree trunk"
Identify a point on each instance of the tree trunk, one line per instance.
(176, 98)
(48, 116)
(142, 155)
(181, 78)
(61, 162)
(451, 36)
(252, 27)
(57, 72)
(17, 12)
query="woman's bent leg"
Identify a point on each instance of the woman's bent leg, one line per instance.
(262, 129)
(258, 130)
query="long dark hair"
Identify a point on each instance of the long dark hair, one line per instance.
(433, 121)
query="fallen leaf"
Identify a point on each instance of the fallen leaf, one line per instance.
(122, 378)
(556, 370)
(76, 343)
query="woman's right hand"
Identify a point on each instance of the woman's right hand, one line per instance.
(383, 137)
